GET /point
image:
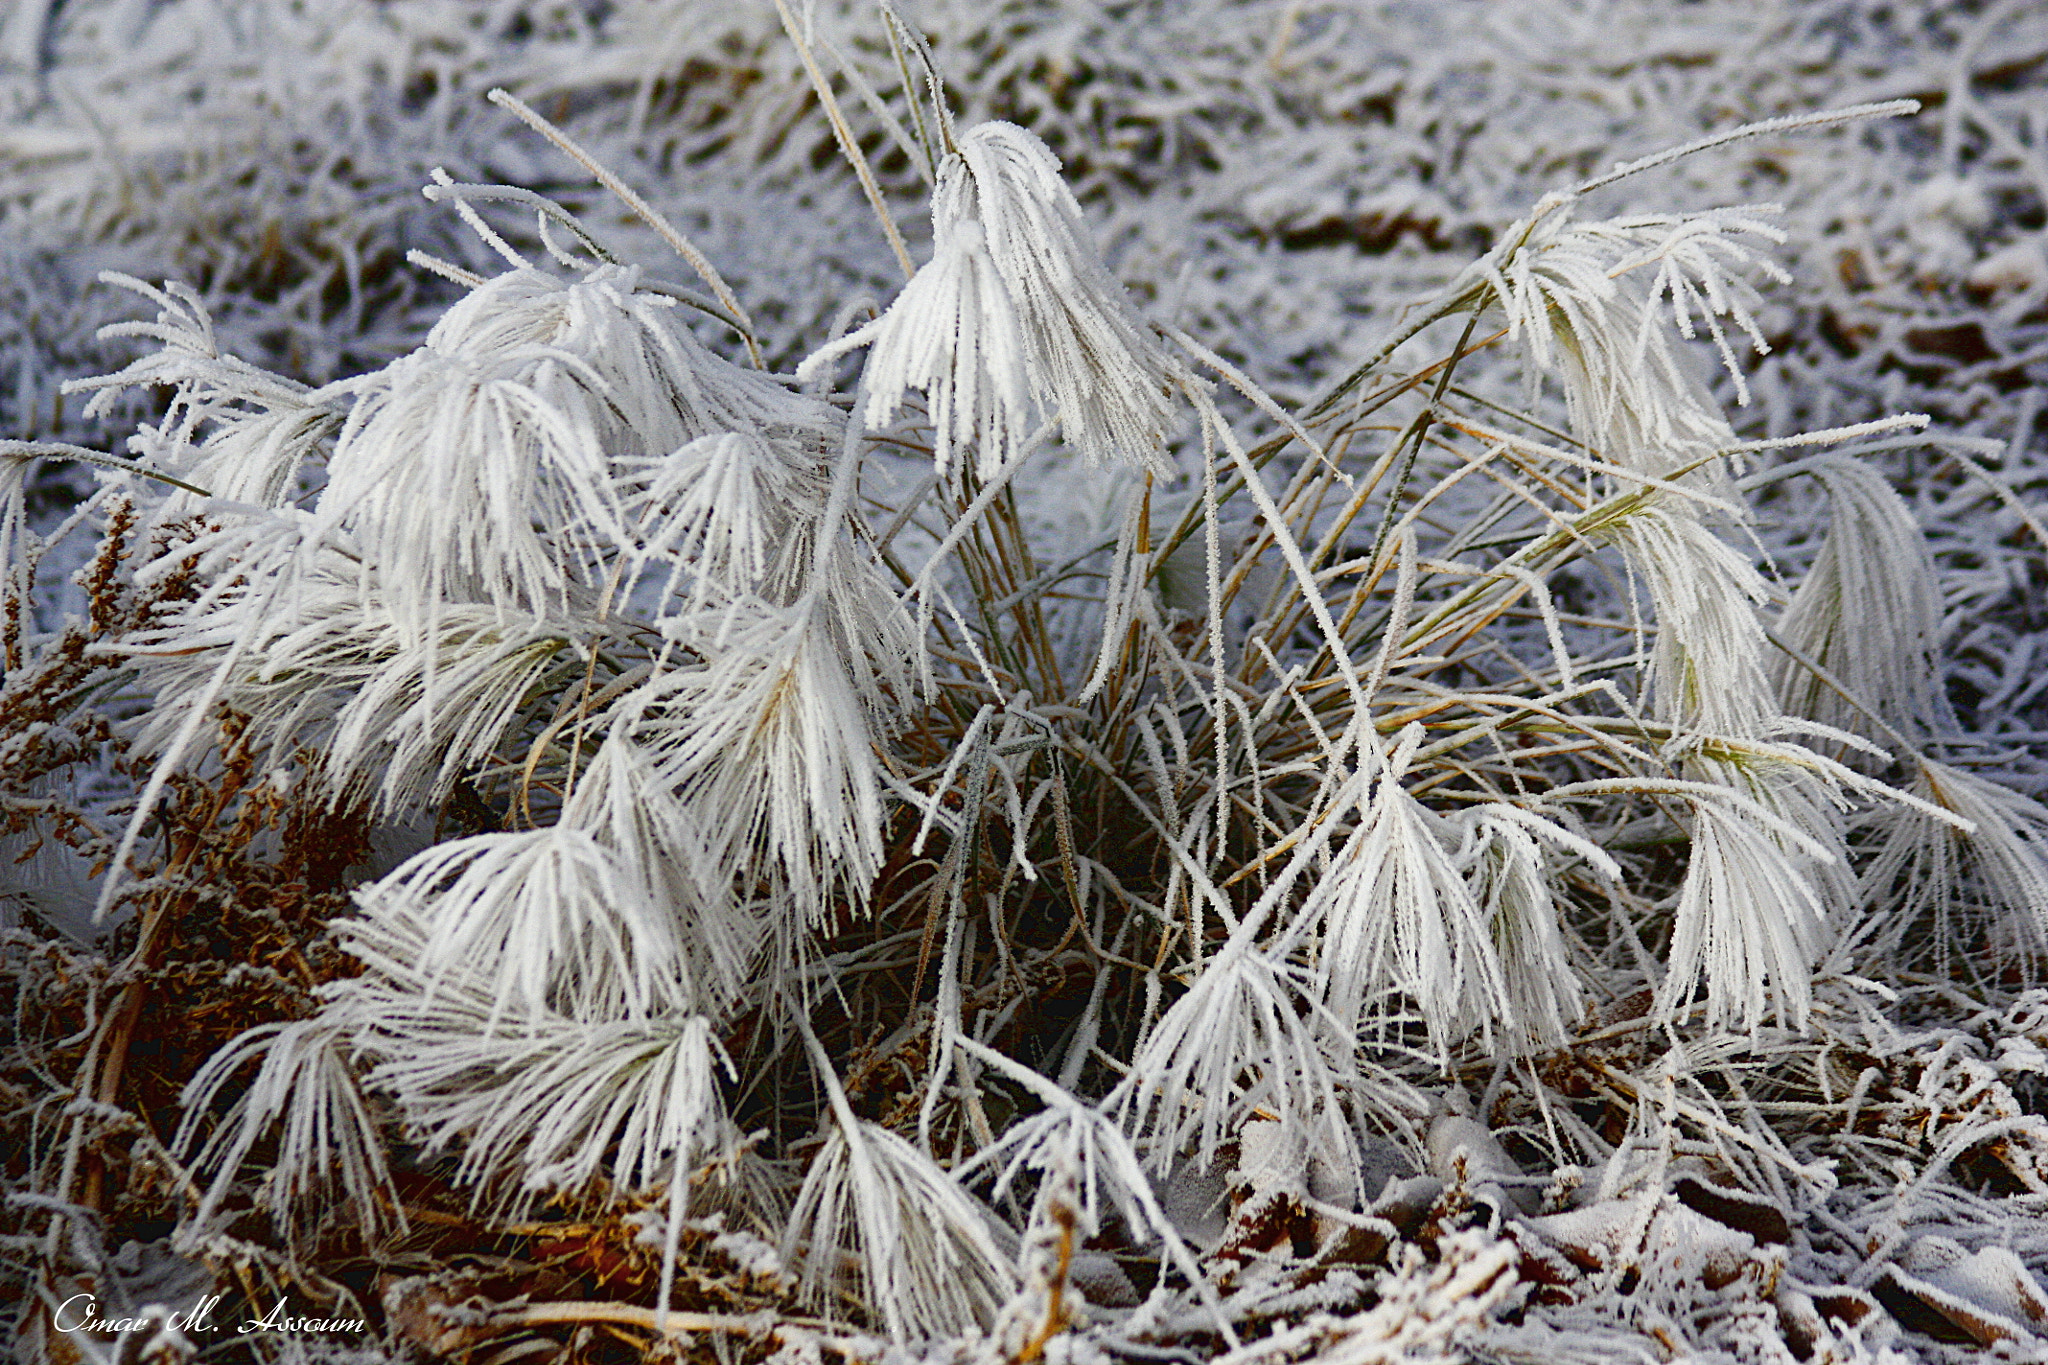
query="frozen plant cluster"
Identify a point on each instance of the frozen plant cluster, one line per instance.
(1223, 681)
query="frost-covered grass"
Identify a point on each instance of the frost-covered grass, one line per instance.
(1201, 681)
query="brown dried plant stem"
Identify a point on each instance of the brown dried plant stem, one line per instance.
(107, 1059)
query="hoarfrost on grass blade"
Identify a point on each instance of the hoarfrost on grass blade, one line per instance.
(1869, 612)
(1992, 878)
(314, 665)
(1707, 655)
(546, 919)
(621, 801)
(769, 747)
(726, 515)
(1512, 881)
(878, 1213)
(1748, 919)
(1084, 1145)
(954, 333)
(1016, 312)
(329, 1135)
(1582, 297)
(1397, 915)
(1249, 1033)
(532, 1095)
(482, 465)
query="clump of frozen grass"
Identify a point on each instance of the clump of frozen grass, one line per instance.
(1982, 870)
(1511, 859)
(919, 1249)
(309, 1079)
(1585, 299)
(1258, 785)
(482, 466)
(1749, 919)
(878, 1214)
(769, 749)
(316, 664)
(543, 919)
(1708, 654)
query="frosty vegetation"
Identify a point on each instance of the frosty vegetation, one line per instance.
(989, 681)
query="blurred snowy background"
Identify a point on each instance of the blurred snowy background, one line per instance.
(1279, 177)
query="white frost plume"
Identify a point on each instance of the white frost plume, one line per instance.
(1080, 1144)
(726, 514)
(661, 386)
(1512, 878)
(482, 467)
(1707, 654)
(878, 1217)
(1249, 1034)
(235, 429)
(1869, 613)
(544, 919)
(1750, 919)
(769, 746)
(289, 640)
(1017, 311)
(1804, 798)
(1397, 915)
(1584, 298)
(955, 333)
(533, 1094)
(329, 1133)
(621, 801)
(1995, 872)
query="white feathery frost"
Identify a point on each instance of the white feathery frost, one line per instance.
(769, 747)
(292, 643)
(724, 515)
(482, 466)
(1584, 299)
(543, 919)
(309, 1089)
(532, 1096)
(1079, 1143)
(1513, 882)
(235, 429)
(1250, 1033)
(1708, 664)
(877, 1215)
(1869, 613)
(621, 802)
(1016, 312)
(1991, 876)
(954, 333)
(1396, 914)
(1749, 920)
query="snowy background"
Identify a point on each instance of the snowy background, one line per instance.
(1279, 177)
